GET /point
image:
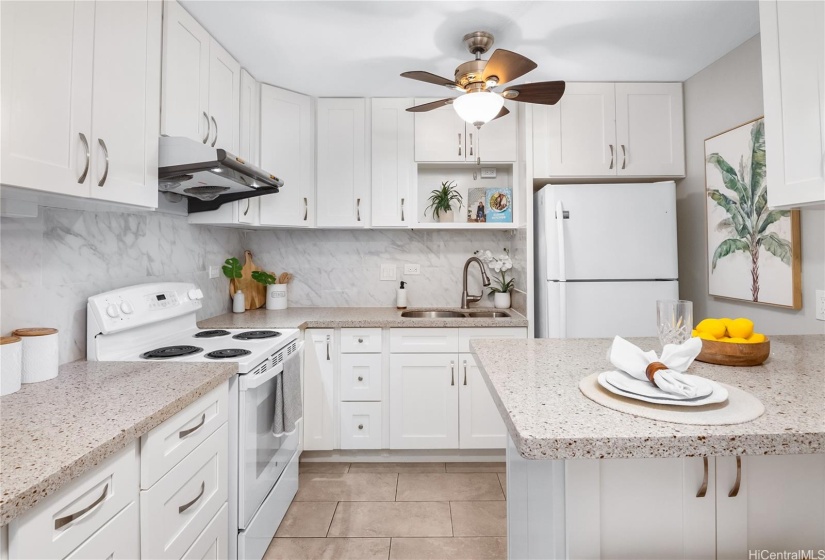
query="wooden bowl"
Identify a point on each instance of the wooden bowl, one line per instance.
(734, 353)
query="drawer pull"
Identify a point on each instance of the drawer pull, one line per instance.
(187, 505)
(735, 490)
(452, 373)
(703, 489)
(328, 337)
(182, 434)
(63, 521)
(360, 341)
(360, 378)
(465, 372)
(360, 426)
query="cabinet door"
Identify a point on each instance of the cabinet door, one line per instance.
(639, 508)
(577, 136)
(342, 165)
(479, 422)
(423, 401)
(185, 75)
(46, 95)
(287, 152)
(439, 134)
(119, 539)
(650, 133)
(249, 140)
(793, 75)
(780, 504)
(224, 98)
(126, 105)
(393, 162)
(498, 139)
(318, 389)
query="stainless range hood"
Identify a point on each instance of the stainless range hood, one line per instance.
(208, 176)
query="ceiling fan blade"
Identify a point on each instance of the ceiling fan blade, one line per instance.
(430, 106)
(429, 78)
(543, 93)
(507, 66)
(504, 112)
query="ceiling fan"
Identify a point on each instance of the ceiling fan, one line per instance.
(477, 79)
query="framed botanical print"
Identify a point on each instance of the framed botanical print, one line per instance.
(753, 251)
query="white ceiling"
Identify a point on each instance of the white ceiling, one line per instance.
(343, 48)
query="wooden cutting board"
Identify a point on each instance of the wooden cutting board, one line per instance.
(254, 292)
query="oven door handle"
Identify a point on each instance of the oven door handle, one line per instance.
(253, 381)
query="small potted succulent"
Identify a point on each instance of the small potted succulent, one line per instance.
(502, 286)
(441, 202)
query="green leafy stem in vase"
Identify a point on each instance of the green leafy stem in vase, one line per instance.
(264, 278)
(441, 200)
(232, 268)
(500, 265)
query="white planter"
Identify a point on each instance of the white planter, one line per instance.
(501, 300)
(446, 217)
(276, 296)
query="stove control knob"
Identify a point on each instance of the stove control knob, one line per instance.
(126, 307)
(112, 310)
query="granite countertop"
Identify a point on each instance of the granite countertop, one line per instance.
(358, 317)
(535, 385)
(54, 431)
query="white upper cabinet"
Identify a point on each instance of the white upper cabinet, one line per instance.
(793, 77)
(498, 139)
(224, 98)
(607, 130)
(249, 139)
(343, 182)
(287, 152)
(393, 163)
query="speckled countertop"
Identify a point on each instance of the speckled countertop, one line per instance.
(535, 384)
(358, 317)
(54, 431)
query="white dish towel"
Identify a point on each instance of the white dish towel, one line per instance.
(665, 372)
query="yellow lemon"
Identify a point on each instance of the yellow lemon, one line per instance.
(713, 327)
(706, 336)
(741, 328)
(756, 337)
(735, 340)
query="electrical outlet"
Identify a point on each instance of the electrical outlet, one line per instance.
(412, 269)
(214, 271)
(820, 305)
(388, 272)
(488, 172)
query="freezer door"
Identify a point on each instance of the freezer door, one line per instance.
(604, 309)
(612, 232)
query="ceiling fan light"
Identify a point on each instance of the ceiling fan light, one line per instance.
(478, 108)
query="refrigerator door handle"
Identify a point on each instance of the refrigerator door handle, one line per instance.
(560, 217)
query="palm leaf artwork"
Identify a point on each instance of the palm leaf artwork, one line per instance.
(745, 200)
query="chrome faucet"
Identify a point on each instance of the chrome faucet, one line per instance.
(467, 299)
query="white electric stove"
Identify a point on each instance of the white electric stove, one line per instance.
(156, 322)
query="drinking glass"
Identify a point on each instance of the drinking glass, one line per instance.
(674, 319)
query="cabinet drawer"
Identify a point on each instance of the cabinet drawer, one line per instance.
(164, 447)
(361, 377)
(212, 543)
(51, 530)
(361, 425)
(361, 340)
(467, 334)
(430, 341)
(119, 539)
(176, 510)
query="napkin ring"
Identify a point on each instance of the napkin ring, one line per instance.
(652, 368)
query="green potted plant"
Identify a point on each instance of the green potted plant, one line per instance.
(275, 290)
(502, 285)
(441, 201)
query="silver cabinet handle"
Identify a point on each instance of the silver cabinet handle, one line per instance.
(735, 490)
(82, 177)
(452, 374)
(703, 489)
(106, 156)
(183, 433)
(328, 347)
(216, 131)
(306, 208)
(187, 505)
(63, 521)
(360, 426)
(358, 209)
(471, 143)
(248, 202)
(360, 378)
(465, 372)
(459, 143)
(624, 157)
(611, 156)
(208, 128)
(402, 209)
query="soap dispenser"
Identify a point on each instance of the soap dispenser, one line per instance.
(401, 297)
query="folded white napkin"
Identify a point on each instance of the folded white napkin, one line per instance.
(666, 371)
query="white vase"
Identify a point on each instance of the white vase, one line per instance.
(276, 296)
(502, 300)
(238, 302)
(446, 217)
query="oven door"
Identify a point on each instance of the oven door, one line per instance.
(262, 456)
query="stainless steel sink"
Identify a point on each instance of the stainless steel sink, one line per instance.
(432, 314)
(489, 314)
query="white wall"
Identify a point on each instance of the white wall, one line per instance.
(724, 95)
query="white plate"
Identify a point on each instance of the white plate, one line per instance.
(719, 394)
(629, 384)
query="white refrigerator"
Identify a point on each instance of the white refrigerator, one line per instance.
(604, 255)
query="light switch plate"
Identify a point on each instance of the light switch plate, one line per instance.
(388, 272)
(488, 172)
(412, 269)
(214, 272)
(820, 305)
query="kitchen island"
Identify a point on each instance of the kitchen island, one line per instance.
(609, 484)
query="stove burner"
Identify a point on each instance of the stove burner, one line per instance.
(211, 334)
(170, 352)
(228, 353)
(256, 335)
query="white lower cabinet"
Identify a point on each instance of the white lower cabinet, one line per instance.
(479, 422)
(212, 543)
(117, 540)
(319, 370)
(361, 377)
(360, 425)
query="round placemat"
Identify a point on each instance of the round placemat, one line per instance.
(740, 407)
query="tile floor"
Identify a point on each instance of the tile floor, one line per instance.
(395, 511)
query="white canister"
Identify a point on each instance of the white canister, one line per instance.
(11, 364)
(40, 354)
(238, 302)
(276, 296)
